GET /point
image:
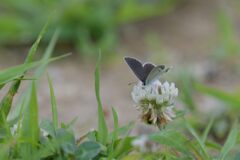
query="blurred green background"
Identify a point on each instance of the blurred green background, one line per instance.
(200, 39)
(87, 25)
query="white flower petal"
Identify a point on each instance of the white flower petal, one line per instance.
(169, 112)
(159, 99)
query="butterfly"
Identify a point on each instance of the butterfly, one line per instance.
(147, 73)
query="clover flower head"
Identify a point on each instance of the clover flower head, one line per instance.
(156, 101)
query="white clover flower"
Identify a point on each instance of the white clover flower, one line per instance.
(156, 101)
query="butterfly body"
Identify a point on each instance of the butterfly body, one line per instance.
(147, 72)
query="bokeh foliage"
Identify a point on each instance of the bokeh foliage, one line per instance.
(88, 25)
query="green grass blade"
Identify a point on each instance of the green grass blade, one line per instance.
(121, 131)
(115, 119)
(17, 71)
(26, 95)
(207, 130)
(123, 145)
(19, 122)
(35, 45)
(30, 129)
(10, 74)
(114, 133)
(6, 127)
(213, 145)
(31, 53)
(29, 132)
(53, 104)
(1, 86)
(230, 142)
(39, 71)
(173, 139)
(187, 91)
(6, 103)
(102, 126)
(4, 151)
(200, 142)
(47, 54)
(13, 72)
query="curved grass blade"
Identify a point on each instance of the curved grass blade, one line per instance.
(35, 45)
(207, 130)
(102, 135)
(123, 146)
(16, 72)
(199, 141)
(230, 142)
(6, 103)
(39, 71)
(29, 132)
(53, 104)
(30, 129)
(173, 139)
(47, 54)
(114, 133)
(187, 92)
(31, 52)
(6, 75)
(115, 119)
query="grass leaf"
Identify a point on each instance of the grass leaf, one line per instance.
(102, 126)
(121, 131)
(172, 139)
(13, 72)
(30, 129)
(115, 119)
(47, 54)
(29, 132)
(38, 72)
(230, 142)
(27, 95)
(200, 142)
(53, 104)
(123, 146)
(35, 45)
(6, 103)
(187, 91)
(207, 130)
(113, 136)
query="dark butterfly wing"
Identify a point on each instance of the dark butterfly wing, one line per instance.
(136, 67)
(148, 67)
